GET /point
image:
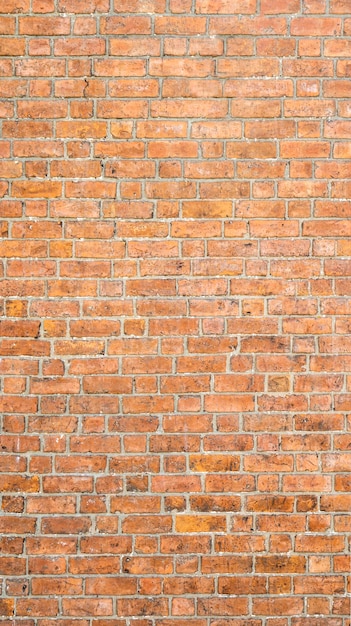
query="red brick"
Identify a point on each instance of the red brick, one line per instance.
(247, 26)
(247, 67)
(180, 25)
(36, 607)
(312, 26)
(223, 606)
(87, 606)
(175, 316)
(139, 606)
(111, 586)
(272, 7)
(224, 6)
(74, 6)
(126, 25)
(70, 586)
(277, 606)
(77, 47)
(308, 68)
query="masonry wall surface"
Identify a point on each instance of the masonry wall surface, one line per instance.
(175, 334)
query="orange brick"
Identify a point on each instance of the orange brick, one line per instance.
(175, 316)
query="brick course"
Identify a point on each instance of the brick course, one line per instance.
(175, 282)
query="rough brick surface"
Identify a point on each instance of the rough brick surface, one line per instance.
(175, 281)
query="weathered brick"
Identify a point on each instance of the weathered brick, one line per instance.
(175, 368)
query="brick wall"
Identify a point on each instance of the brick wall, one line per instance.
(175, 351)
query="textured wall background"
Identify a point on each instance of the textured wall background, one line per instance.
(175, 352)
